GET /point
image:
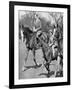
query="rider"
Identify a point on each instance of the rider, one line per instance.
(37, 23)
(52, 41)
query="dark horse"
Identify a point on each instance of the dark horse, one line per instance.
(32, 42)
(48, 52)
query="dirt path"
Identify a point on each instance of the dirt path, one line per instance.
(31, 72)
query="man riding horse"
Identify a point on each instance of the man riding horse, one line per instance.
(36, 39)
(30, 36)
(50, 50)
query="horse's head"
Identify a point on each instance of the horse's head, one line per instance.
(27, 32)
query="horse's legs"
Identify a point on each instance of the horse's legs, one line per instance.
(27, 55)
(46, 61)
(46, 64)
(24, 68)
(34, 57)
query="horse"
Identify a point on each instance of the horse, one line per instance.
(51, 51)
(47, 53)
(32, 42)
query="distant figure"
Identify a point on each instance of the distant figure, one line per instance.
(53, 42)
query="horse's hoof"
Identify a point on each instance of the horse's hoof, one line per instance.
(23, 69)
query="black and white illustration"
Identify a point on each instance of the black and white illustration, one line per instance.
(40, 44)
